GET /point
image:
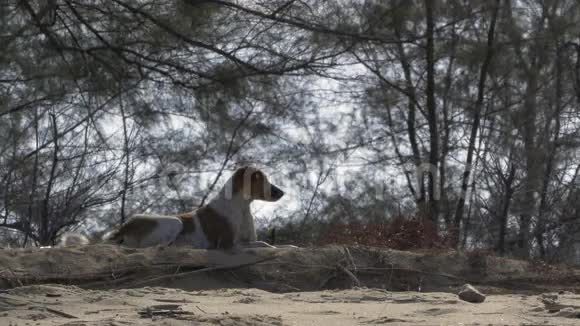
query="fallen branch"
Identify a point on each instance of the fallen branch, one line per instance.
(171, 311)
(350, 258)
(60, 313)
(351, 275)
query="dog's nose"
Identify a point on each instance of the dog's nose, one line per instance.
(276, 193)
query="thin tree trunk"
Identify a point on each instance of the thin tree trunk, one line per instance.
(531, 66)
(541, 225)
(402, 159)
(476, 122)
(127, 153)
(509, 192)
(447, 214)
(432, 113)
(78, 170)
(478, 158)
(230, 152)
(411, 130)
(45, 234)
(532, 166)
(33, 204)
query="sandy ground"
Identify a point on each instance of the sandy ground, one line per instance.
(70, 305)
(103, 285)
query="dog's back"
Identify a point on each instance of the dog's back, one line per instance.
(142, 231)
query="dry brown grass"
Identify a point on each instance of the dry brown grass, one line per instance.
(401, 234)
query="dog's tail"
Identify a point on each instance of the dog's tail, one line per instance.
(115, 236)
(72, 240)
(118, 236)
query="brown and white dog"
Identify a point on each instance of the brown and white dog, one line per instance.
(224, 223)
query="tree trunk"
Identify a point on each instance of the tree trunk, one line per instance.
(411, 130)
(541, 224)
(33, 204)
(532, 165)
(127, 154)
(45, 233)
(475, 123)
(447, 214)
(503, 218)
(432, 114)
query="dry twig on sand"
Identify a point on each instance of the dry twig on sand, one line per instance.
(171, 311)
(60, 313)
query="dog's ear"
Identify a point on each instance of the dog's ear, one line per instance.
(253, 184)
(242, 179)
(260, 185)
(238, 180)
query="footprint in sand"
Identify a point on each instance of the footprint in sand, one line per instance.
(319, 313)
(246, 300)
(387, 320)
(437, 311)
(135, 293)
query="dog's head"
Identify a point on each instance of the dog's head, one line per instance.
(253, 184)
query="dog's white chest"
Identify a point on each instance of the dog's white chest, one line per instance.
(196, 238)
(232, 209)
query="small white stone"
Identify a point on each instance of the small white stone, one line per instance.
(470, 294)
(568, 312)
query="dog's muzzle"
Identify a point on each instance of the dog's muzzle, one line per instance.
(276, 193)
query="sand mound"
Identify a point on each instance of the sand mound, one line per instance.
(106, 266)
